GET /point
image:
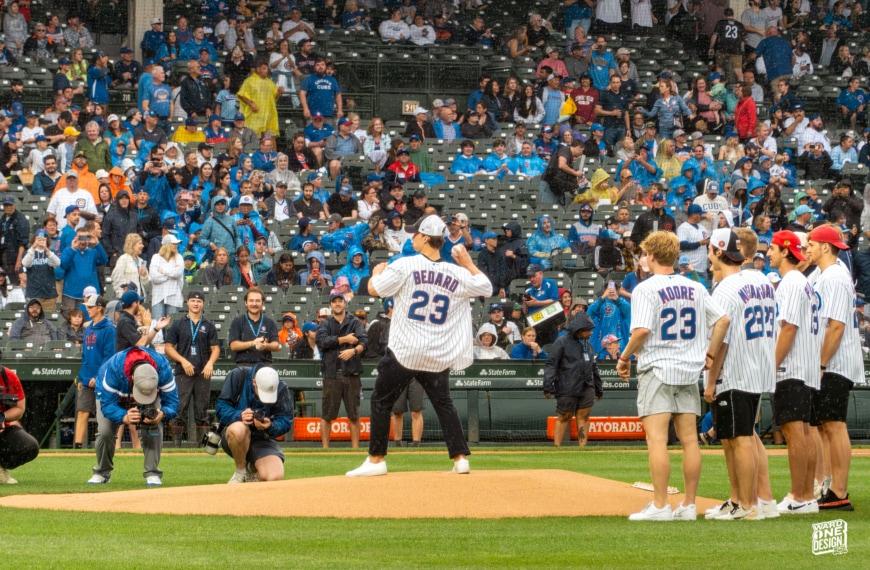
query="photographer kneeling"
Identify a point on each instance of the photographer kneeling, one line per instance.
(17, 447)
(135, 387)
(254, 408)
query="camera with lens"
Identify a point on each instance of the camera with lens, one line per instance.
(260, 415)
(8, 400)
(149, 412)
(527, 297)
(211, 441)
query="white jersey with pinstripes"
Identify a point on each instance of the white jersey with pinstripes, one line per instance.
(836, 295)
(749, 301)
(431, 327)
(797, 304)
(677, 312)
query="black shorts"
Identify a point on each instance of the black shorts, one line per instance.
(570, 404)
(411, 399)
(735, 413)
(345, 389)
(832, 401)
(794, 402)
(258, 448)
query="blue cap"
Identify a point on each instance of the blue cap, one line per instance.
(213, 118)
(714, 76)
(239, 117)
(346, 190)
(64, 61)
(148, 62)
(313, 176)
(490, 235)
(374, 177)
(596, 127)
(547, 129)
(17, 108)
(496, 307)
(802, 209)
(658, 196)
(695, 209)
(130, 297)
(388, 304)
(586, 208)
(70, 209)
(335, 296)
(414, 138)
(41, 138)
(684, 260)
(190, 121)
(125, 49)
(309, 326)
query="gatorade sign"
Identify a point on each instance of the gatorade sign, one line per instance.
(308, 429)
(610, 427)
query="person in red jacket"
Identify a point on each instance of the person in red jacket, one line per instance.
(403, 171)
(745, 117)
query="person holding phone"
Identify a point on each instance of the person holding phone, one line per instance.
(40, 262)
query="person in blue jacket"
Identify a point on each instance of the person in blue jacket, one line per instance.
(132, 386)
(357, 267)
(249, 224)
(611, 315)
(341, 237)
(315, 274)
(545, 241)
(98, 347)
(254, 408)
(79, 263)
(528, 349)
(465, 161)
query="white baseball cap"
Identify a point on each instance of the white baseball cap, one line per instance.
(428, 226)
(246, 200)
(100, 174)
(89, 291)
(145, 384)
(267, 385)
(169, 238)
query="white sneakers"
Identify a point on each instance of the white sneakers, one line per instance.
(369, 469)
(97, 480)
(461, 467)
(238, 477)
(682, 513)
(737, 513)
(6, 478)
(153, 481)
(720, 510)
(769, 509)
(789, 506)
(652, 513)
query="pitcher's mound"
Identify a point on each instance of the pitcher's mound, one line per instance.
(420, 494)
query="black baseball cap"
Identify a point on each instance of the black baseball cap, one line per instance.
(195, 294)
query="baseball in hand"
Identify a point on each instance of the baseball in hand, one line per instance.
(457, 251)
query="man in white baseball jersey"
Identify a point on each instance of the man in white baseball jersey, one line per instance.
(841, 360)
(669, 321)
(797, 362)
(430, 335)
(694, 239)
(712, 203)
(742, 370)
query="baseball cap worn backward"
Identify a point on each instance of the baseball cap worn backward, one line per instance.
(267, 385)
(726, 241)
(145, 387)
(428, 226)
(827, 234)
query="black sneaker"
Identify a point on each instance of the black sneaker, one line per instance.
(832, 502)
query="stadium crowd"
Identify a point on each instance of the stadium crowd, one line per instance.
(187, 189)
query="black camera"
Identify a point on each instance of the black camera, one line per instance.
(260, 415)
(149, 412)
(9, 400)
(211, 441)
(527, 297)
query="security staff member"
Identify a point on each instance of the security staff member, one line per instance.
(192, 342)
(254, 336)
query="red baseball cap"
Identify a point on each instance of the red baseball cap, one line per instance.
(788, 240)
(828, 234)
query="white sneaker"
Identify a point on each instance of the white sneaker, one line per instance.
(461, 466)
(6, 478)
(97, 480)
(369, 469)
(789, 506)
(720, 510)
(769, 509)
(153, 481)
(238, 477)
(682, 513)
(817, 490)
(739, 514)
(651, 513)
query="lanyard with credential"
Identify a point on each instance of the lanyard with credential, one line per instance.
(194, 331)
(251, 325)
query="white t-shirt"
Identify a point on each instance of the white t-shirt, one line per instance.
(63, 198)
(677, 311)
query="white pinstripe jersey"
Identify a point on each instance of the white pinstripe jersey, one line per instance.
(836, 295)
(796, 304)
(677, 311)
(750, 302)
(431, 327)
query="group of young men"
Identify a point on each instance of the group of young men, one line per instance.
(798, 341)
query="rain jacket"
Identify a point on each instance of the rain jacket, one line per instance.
(539, 242)
(571, 365)
(303, 275)
(354, 274)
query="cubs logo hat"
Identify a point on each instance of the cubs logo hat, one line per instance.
(608, 339)
(726, 241)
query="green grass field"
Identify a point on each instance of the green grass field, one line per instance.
(43, 539)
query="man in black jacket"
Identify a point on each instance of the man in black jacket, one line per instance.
(493, 263)
(148, 216)
(515, 252)
(196, 99)
(341, 339)
(14, 238)
(655, 219)
(118, 223)
(844, 200)
(572, 375)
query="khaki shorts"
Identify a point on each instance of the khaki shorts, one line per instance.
(655, 397)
